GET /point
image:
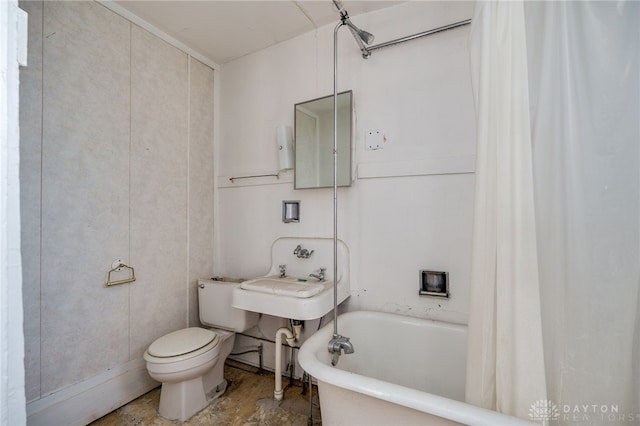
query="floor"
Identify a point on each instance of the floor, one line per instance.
(247, 401)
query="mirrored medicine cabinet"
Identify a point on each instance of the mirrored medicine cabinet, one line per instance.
(314, 142)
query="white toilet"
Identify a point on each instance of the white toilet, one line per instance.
(190, 362)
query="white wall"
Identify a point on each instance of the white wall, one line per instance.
(12, 398)
(410, 207)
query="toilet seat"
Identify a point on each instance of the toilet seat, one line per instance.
(182, 344)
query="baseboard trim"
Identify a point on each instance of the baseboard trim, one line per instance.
(91, 399)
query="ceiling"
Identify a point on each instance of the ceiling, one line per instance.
(225, 30)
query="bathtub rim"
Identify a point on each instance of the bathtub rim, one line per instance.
(447, 408)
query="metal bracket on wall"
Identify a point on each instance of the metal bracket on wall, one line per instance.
(276, 175)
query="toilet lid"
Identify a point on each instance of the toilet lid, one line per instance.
(182, 341)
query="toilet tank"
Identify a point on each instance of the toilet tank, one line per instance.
(214, 303)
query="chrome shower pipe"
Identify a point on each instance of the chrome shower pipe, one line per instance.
(335, 178)
(361, 37)
(366, 50)
(339, 344)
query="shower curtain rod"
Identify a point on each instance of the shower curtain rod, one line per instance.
(367, 50)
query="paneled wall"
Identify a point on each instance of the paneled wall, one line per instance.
(159, 123)
(85, 192)
(117, 149)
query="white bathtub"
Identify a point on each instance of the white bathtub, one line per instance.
(405, 371)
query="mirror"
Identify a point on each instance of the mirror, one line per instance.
(314, 142)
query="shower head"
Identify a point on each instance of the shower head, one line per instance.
(363, 35)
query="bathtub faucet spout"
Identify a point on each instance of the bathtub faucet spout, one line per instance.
(337, 345)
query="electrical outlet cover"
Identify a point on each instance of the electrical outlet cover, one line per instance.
(374, 139)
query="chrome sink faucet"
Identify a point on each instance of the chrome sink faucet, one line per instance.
(320, 275)
(302, 253)
(283, 270)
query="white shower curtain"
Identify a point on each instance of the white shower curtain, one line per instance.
(505, 366)
(581, 63)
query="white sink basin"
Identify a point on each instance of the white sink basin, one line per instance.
(303, 298)
(294, 287)
(263, 297)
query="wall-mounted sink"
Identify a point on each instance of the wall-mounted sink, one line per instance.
(294, 287)
(297, 295)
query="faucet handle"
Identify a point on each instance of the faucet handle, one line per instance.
(336, 347)
(283, 270)
(319, 275)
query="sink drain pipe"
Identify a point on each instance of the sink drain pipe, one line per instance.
(291, 339)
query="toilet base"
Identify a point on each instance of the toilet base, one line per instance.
(180, 401)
